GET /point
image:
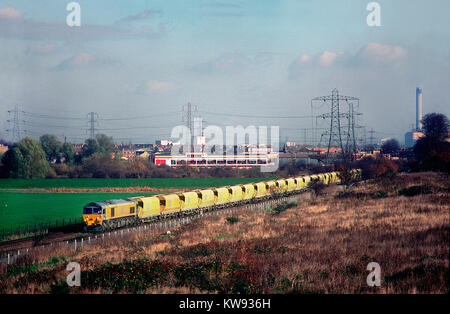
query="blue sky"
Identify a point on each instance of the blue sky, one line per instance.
(144, 58)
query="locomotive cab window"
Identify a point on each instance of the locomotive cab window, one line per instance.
(87, 211)
(92, 210)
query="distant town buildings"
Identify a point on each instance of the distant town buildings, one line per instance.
(412, 137)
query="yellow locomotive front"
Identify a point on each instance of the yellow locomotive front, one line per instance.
(93, 216)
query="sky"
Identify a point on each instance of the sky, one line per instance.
(137, 63)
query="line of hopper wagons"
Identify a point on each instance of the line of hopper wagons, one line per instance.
(117, 213)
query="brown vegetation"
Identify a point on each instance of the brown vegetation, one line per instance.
(323, 245)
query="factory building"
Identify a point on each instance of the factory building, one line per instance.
(412, 137)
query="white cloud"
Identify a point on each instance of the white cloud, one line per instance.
(10, 13)
(379, 53)
(41, 49)
(304, 58)
(327, 58)
(234, 63)
(144, 15)
(372, 54)
(83, 60)
(156, 86)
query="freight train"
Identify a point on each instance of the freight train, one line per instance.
(117, 213)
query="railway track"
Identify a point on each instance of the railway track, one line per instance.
(10, 251)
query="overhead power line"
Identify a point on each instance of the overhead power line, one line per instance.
(167, 114)
(44, 116)
(254, 116)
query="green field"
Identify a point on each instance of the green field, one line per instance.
(124, 183)
(22, 208)
(35, 208)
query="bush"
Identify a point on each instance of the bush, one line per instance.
(317, 186)
(345, 174)
(377, 168)
(233, 220)
(282, 207)
(415, 190)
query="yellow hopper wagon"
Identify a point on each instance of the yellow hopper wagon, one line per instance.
(170, 204)
(236, 193)
(205, 198)
(149, 207)
(188, 201)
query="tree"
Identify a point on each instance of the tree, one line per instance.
(91, 148)
(26, 159)
(68, 152)
(432, 151)
(391, 146)
(51, 146)
(435, 126)
(105, 143)
(102, 144)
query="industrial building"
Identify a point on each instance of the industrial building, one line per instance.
(414, 135)
(203, 159)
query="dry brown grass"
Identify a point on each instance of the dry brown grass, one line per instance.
(321, 246)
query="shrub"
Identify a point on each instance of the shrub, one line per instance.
(317, 186)
(377, 168)
(345, 174)
(282, 207)
(415, 190)
(233, 220)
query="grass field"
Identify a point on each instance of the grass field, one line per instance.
(321, 245)
(111, 183)
(21, 205)
(35, 208)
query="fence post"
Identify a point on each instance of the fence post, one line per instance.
(9, 258)
(75, 242)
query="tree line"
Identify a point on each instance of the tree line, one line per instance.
(31, 158)
(48, 157)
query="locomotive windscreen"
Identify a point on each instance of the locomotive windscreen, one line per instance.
(89, 210)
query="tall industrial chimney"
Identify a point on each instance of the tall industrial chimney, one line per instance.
(419, 109)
